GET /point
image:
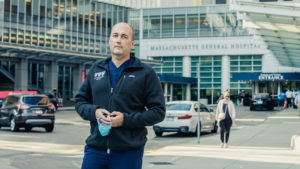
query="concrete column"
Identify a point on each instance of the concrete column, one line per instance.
(225, 73)
(188, 92)
(256, 87)
(77, 78)
(253, 88)
(51, 78)
(166, 91)
(21, 75)
(186, 66)
(171, 90)
(278, 89)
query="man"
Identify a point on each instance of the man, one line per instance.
(289, 98)
(124, 94)
(297, 101)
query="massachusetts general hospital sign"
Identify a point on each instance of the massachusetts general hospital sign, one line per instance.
(201, 46)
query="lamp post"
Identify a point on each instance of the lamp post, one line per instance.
(199, 104)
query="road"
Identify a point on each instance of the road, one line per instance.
(261, 139)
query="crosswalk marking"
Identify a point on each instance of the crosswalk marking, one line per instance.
(39, 147)
(242, 153)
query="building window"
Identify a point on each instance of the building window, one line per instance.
(220, 1)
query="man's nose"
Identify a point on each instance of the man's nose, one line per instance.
(118, 39)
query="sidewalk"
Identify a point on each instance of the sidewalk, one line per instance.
(63, 114)
(267, 145)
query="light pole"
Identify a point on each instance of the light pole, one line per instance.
(199, 104)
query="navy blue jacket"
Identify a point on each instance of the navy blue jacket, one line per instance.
(137, 94)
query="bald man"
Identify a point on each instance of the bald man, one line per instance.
(119, 97)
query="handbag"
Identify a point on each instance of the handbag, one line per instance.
(222, 115)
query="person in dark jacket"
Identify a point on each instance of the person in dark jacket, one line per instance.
(120, 96)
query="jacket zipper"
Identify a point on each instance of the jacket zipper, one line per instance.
(110, 109)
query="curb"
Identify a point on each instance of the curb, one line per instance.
(61, 122)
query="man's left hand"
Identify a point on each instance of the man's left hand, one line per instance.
(117, 119)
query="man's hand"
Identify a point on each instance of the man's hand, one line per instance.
(117, 119)
(104, 116)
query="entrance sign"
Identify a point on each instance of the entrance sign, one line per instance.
(270, 76)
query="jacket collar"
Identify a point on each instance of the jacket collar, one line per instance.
(137, 63)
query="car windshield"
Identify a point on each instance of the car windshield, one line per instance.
(36, 100)
(261, 96)
(178, 106)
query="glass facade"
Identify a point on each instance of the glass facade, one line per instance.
(65, 79)
(171, 65)
(36, 76)
(244, 63)
(210, 77)
(201, 21)
(8, 66)
(71, 25)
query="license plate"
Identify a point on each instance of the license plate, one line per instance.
(170, 118)
(259, 102)
(39, 112)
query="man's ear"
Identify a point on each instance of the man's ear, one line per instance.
(132, 43)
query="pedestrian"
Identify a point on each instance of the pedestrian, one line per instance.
(281, 99)
(225, 115)
(294, 93)
(239, 98)
(120, 96)
(289, 98)
(297, 101)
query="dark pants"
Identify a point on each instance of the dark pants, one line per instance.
(99, 159)
(225, 126)
(281, 103)
(289, 104)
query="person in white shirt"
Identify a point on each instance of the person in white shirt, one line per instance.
(297, 101)
(289, 98)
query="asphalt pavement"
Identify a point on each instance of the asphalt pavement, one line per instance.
(274, 144)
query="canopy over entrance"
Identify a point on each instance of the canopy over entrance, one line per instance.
(277, 24)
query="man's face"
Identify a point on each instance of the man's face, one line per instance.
(120, 40)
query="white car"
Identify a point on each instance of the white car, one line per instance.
(182, 116)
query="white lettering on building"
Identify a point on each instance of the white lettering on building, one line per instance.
(271, 76)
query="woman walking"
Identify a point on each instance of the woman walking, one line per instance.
(225, 115)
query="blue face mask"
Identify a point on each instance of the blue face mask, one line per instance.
(103, 129)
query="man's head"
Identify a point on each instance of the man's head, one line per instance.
(121, 40)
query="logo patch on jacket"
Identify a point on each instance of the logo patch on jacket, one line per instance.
(99, 75)
(132, 76)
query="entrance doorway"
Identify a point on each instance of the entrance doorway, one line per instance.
(268, 87)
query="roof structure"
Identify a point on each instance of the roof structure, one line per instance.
(278, 25)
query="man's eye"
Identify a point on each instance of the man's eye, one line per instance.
(115, 35)
(124, 36)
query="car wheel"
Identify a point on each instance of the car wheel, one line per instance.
(49, 128)
(13, 125)
(215, 130)
(251, 108)
(28, 128)
(158, 133)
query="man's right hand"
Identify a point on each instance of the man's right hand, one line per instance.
(103, 115)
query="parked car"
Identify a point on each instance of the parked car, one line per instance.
(53, 100)
(262, 101)
(182, 116)
(27, 110)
